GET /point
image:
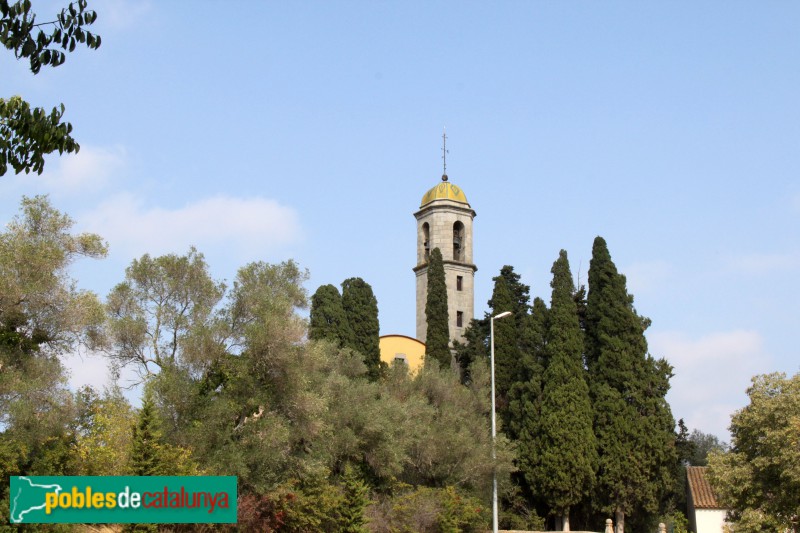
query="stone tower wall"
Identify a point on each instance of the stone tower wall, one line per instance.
(441, 215)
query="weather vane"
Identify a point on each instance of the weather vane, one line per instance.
(444, 154)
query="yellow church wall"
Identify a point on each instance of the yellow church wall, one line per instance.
(398, 347)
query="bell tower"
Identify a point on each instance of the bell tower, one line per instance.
(444, 221)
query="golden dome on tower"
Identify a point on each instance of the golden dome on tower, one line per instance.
(444, 191)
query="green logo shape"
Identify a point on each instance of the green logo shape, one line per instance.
(122, 499)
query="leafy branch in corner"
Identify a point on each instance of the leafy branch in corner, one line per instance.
(26, 134)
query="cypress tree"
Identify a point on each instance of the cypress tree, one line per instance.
(523, 416)
(568, 454)
(633, 423)
(509, 295)
(327, 319)
(507, 351)
(437, 336)
(525, 393)
(361, 309)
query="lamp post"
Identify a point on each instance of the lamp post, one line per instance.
(494, 425)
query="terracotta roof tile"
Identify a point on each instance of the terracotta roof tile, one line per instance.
(700, 489)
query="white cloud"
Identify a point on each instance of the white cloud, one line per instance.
(647, 276)
(91, 169)
(712, 374)
(241, 225)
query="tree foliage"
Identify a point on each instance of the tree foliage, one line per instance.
(437, 336)
(104, 434)
(361, 309)
(702, 445)
(568, 454)
(507, 353)
(26, 134)
(42, 316)
(38, 299)
(475, 347)
(327, 319)
(151, 454)
(633, 423)
(758, 479)
(524, 397)
(161, 314)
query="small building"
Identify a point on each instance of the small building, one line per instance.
(706, 515)
(400, 349)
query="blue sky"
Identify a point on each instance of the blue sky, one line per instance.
(310, 130)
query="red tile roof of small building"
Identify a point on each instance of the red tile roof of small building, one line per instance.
(700, 489)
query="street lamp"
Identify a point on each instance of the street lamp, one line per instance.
(494, 425)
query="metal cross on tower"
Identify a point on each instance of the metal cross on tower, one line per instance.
(444, 155)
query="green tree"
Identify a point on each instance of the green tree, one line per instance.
(437, 336)
(361, 309)
(26, 134)
(42, 316)
(430, 510)
(565, 473)
(633, 423)
(509, 294)
(162, 314)
(145, 457)
(150, 454)
(474, 348)
(507, 351)
(354, 502)
(702, 444)
(520, 294)
(525, 393)
(758, 479)
(327, 318)
(39, 303)
(104, 437)
(523, 416)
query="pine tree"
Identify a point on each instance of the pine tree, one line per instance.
(633, 423)
(355, 500)
(146, 457)
(361, 309)
(565, 474)
(437, 337)
(327, 318)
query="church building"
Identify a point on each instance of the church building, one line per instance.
(444, 221)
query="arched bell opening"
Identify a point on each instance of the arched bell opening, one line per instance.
(458, 241)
